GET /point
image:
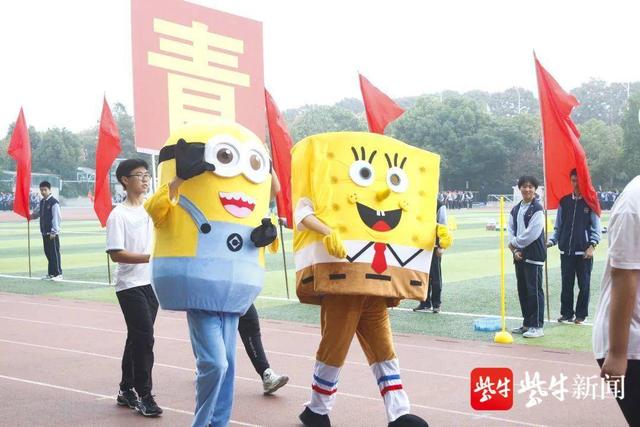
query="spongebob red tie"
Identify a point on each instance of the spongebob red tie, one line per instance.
(379, 263)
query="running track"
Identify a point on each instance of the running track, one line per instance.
(60, 366)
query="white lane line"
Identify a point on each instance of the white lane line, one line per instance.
(316, 335)
(289, 385)
(292, 300)
(101, 396)
(122, 332)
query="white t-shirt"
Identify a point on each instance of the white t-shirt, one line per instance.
(130, 229)
(624, 253)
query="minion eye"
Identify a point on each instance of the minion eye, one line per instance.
(257, 164)
(223, 152)
(361, 172)
(397, 180)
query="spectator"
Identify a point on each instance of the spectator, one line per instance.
(49, 214)
(526, 241)
(577, 233)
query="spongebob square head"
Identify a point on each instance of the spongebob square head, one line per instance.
(380, 194)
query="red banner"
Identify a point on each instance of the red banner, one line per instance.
(192, 63)
(281, 150)
(20, 150)
(562, 149)
(106, 153)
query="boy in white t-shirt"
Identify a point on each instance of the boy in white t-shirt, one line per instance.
(616, 330)
(129, 234)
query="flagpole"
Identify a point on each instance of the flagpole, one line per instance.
(108, 268)
(29, 245)
(153, 173)
(284, 258)
(546, 226)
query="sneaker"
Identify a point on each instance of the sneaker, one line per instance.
(521, 330)
(127, 398)
(272, 381)
(308, 418)
(436, 310)
(148, 407)
(534, 333)
(422, 307)
(579, 320)
(565, 319)
(56, 278)
(408, 420)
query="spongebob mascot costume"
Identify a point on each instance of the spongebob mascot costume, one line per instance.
(208, 256)
(365, 209)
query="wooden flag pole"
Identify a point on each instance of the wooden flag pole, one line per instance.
(109, 268)
(284, 258)
(546, 264)
(29, 245)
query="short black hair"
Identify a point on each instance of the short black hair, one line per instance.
(573, 172)
(528, 179)
(126, 166)
(45, 184)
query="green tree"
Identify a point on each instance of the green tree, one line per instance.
(314, 119)
(603, 146)
(512, 102)
(631, 138)
(603, 101)
(59, 152)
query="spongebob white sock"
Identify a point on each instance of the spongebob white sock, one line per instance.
(323, 393)
(396, 401)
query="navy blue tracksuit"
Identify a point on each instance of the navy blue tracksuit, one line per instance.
(577, 227)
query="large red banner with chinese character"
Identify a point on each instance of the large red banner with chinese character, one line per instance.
(192, 63)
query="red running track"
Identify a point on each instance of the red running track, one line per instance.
(60, 366)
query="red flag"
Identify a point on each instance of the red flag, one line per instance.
(281, 151)
(108, 149)
(381, 110)
(562, 149)
(20, 150)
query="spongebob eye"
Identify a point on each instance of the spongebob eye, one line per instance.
(362, 173)
(397, 180)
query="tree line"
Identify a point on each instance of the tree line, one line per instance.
(486, 140)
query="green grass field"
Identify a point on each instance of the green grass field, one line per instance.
(471, 275)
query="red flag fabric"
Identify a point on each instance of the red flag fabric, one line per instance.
(380, 109)
(562, 149)
(281, 152)
(20, 150)
(106, 152)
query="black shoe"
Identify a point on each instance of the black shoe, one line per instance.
(127, 398)
(562, 319)
(148, 407)
(311, 419)
(422, 307)
(409, 420)
(579, 320)
(436, 310)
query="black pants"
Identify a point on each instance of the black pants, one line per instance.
(139, 306)
(52, 252)
(630, 405)
(434, 291)
(573, 266)
(249, 328)
(530, 293)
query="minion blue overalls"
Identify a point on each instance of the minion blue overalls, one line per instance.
(215, 288)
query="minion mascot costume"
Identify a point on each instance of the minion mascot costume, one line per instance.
(208, 256)
(364, 236)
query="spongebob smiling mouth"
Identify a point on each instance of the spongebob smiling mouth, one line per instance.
(379, 220)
